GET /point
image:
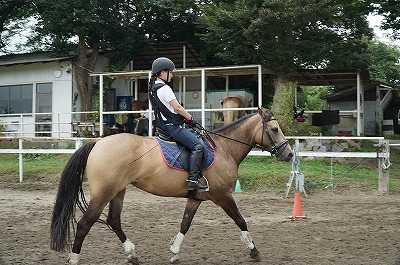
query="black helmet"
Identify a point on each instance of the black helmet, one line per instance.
(162, 63)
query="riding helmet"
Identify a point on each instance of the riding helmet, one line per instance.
(162, 63)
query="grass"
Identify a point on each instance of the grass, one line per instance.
(267, 174)
(258, 174)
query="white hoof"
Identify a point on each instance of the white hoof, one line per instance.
(175, 259)
(73, 258)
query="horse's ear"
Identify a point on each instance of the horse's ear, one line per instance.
(260, 111)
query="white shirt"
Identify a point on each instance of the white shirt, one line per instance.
(166, 95)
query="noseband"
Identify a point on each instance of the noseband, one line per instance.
(275, 147)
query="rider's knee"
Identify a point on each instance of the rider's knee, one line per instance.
(198, 148)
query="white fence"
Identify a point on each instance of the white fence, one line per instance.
(40, 124)
(383, 155)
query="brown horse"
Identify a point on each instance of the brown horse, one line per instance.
(142, 165)
(234, 102)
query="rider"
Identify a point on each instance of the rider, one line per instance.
(170, 117)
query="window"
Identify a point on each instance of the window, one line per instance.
(16, 99)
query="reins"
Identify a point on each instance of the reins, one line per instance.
(224, 136)
(275, 148)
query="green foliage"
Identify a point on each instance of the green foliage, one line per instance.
(112, 23)
(309, 98)
(287, 35)
(385, 65)
(13, 14)
(390, 9)
(313, 97)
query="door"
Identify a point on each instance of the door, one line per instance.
(44, 109)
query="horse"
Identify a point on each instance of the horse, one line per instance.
(234, 102)
(143, 166)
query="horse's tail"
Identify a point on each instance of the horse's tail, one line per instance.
(67, 196)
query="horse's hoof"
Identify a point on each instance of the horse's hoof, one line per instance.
(133, 260)
(175, 260)
(255, 255)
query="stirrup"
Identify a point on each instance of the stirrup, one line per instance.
(208, 186)
(194, 185)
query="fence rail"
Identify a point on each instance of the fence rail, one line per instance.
(383, 155)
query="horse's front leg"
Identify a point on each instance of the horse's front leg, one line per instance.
(229, 206)
(190, 210)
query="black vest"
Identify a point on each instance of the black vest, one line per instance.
(160, 108)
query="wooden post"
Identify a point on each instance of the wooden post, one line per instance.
(383, 166)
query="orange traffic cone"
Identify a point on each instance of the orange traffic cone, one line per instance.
(297, 211)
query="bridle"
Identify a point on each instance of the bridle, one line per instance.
(275, 147)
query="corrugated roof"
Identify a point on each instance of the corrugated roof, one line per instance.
(29, 58)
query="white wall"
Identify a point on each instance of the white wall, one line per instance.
(42, 73)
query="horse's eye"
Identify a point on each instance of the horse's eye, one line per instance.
(275, 130)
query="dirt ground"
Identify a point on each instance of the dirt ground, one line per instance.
(341, 228)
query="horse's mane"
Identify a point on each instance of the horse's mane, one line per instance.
(233, 124)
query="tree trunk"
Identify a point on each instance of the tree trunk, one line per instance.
(278, 83)
(85, 64)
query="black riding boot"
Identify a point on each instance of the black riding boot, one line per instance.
(195, 162)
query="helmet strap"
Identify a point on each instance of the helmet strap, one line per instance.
(165, 81)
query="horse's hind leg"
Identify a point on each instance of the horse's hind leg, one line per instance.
(114, 220)
(91, 215)
(229, 206)
(190, 211)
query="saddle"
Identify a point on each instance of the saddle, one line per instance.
(176, 156)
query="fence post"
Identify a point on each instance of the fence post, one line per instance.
(383, 166)
(78, 143)
(20, 155)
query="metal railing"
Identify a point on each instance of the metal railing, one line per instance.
(382, 156)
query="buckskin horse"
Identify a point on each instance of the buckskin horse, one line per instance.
(234, 102)
(142, 165)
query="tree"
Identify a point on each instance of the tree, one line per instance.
(385, 65)
(87, 28)
(390, 10)
(170, 21)
(123, 28)
(285, 36)
(12, 11)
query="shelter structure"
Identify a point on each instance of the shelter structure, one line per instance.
(199, 74)
(51, 99)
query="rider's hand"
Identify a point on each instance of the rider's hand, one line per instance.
(191, 123)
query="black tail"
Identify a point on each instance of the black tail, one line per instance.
(67, 196)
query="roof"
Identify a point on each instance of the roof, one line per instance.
(320, 77)
(173, 51)
(29, 58)
(195, 64)
(221, 71)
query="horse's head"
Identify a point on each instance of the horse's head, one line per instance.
(271, 137)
